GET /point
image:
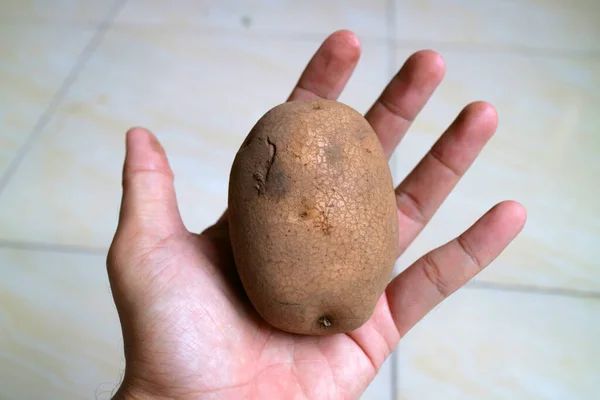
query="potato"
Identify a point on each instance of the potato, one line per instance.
(312, 216)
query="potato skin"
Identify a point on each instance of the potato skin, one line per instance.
(312, 217)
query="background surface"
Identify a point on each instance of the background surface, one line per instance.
(76, 74)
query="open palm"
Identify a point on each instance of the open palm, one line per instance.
(189, 330)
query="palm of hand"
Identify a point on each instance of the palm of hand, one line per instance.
(188, 328)
(201, 336)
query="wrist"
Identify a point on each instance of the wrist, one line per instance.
(135, 392)
(129, 394)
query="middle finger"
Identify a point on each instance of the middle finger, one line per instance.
(404, 97)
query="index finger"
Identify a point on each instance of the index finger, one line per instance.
(439, 273)
(324, 77)
(329, 69)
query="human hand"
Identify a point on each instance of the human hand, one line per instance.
(188, 328)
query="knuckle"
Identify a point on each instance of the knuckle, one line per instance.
(410, 206)
(434, 275)
(468, 250)
(122, 247)
(444, 162)
(150, 176)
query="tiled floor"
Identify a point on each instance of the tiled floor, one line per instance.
(76, 74)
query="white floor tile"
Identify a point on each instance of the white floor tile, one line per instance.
(544, 154)
(511, 25)
(382, 387)
(200, 95)
(34, 62)
(483, 344)
(59, 331)
(367, 18)
(163, 67)
(55, 11)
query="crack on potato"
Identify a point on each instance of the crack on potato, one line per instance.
(287, 303)
(272, 153)
(263, 178)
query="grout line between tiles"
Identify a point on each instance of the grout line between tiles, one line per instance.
(394, 373)
(497, 48)
(522, 288)
(263, 34)
(61, 93)
(52, 247)
(391, 45)
(391, 34)
(391, 65)
(6, 21)
(169, 29)
(476, 285)
(485, 48)
(413, 44)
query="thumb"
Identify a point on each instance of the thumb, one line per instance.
(149, 204)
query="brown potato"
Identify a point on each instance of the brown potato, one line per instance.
(313, 220)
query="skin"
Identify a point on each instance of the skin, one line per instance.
(313, 222)
(188, 329)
